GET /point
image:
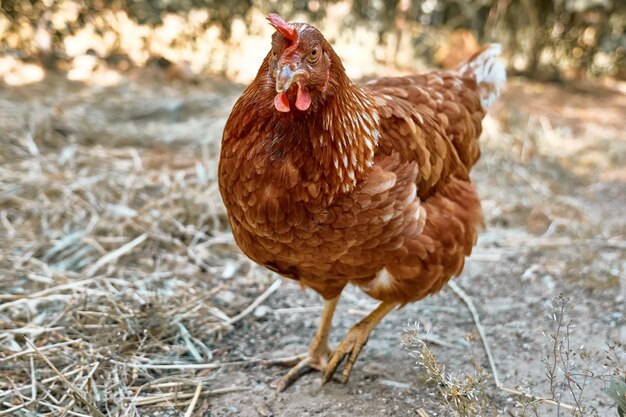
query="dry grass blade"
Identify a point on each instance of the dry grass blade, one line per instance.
(110, 257)
(75, 391)
(46, 292)
(11, 411)
(257, 302)
(271, 289)
(42, 349)
(421, 412)
(194, 400)
(201, 366)
(161, 398)
(537, 399)
(194, 366)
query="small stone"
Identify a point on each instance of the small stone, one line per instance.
(264, 410)
(226, 297)
(548, 281)
(230, 269)
(261, 311)
(531, 273)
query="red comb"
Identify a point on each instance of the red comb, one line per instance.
(282, 27)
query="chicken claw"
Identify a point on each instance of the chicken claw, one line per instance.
(318, 354)
(309, 362)
(351, 345)
(354, 342)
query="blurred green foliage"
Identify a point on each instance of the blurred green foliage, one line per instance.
(542, 37)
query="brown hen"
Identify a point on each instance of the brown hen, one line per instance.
(329, 182)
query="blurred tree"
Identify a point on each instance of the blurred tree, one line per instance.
(543, 38)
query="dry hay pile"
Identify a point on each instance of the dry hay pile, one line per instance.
(113, 249)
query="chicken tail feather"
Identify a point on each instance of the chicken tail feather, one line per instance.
(488, 70)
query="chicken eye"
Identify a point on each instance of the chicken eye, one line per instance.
(313, 55)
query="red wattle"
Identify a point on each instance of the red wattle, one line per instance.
(281, 102)
(303, 99)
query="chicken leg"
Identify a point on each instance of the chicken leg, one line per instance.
(354, 342)
(318, 354)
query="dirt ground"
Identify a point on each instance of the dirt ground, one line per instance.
(552, 180)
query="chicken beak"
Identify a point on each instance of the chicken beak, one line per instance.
(287, 76)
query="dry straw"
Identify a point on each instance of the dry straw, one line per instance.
(114, 251)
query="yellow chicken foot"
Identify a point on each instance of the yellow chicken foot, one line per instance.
(354, 342)
(317, 356)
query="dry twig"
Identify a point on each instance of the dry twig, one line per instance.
(481, 331)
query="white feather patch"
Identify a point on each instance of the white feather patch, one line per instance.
(489, 72)
(382, 281)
